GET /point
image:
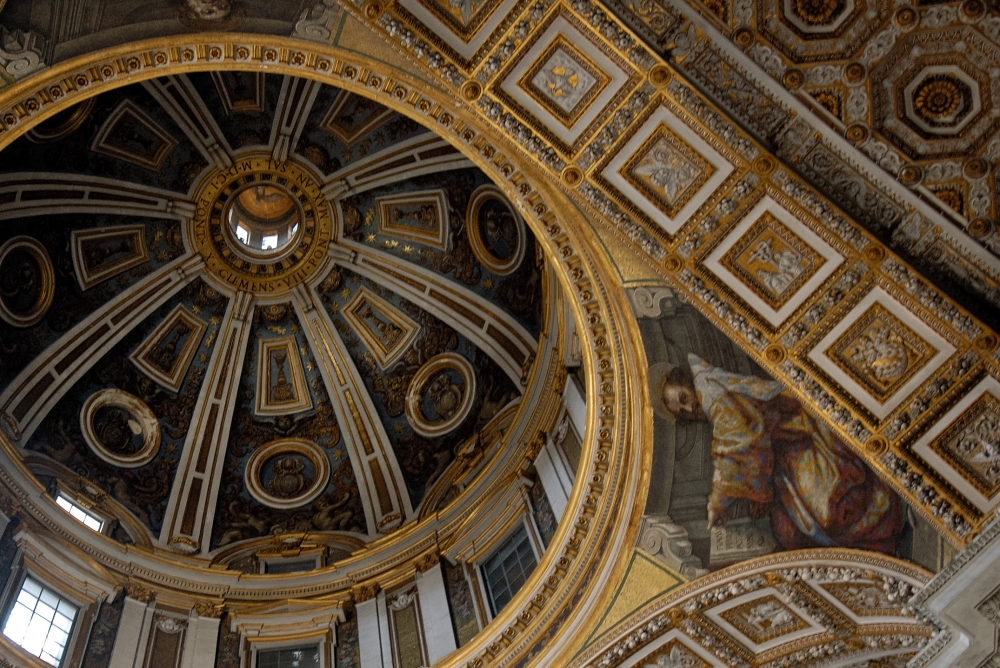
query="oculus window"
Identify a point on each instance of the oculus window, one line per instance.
(289, 657)
(508, 568)
(40, 621)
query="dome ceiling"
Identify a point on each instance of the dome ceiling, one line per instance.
(244, 305)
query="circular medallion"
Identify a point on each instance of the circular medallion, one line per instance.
(440, 395)
(27, 281)
(262, 225)
(120, 428)
(63, 124)
(287, 473)
(496, 232)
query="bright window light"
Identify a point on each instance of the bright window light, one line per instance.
(243, 234)
(40, 621)
(79, 513)
(269, 241)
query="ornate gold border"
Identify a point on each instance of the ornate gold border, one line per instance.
(602, 514)
(479, 247)
(415, 394)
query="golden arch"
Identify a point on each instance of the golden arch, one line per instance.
(591, 547)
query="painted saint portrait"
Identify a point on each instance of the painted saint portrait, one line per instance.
(741, 468)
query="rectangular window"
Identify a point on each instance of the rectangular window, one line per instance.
(269, 241)
(289, 566)
(243, 234)
(508, 568)
(79, 513)
(40, 621)
(289, 657)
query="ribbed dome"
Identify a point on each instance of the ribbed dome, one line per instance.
(238, 307)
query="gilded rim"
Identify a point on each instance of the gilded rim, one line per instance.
(287, 446)
(415, 394)
(497, 265)
(258, 273)
(46, 291)
(144, 417)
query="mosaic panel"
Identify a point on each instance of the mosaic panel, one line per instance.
(240, 92)
(419, 216)
(351, 117)
(385, 330)
(281, 383)
(101, 253)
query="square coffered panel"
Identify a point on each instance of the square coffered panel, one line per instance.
(673, 648)
(563, 80)
(666, 170)
(964, 445)
(464, 25)
(762, 620)
(773, 261)
(880, 353)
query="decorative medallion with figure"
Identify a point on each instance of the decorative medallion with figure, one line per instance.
(495, 232)
(667, 170)
(27, 281)
(120, 428)
(880, 353)
(972, 444)
(440, 395)
(772, 261)
(564, 81)
(287, 473)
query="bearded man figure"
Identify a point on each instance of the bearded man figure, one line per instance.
(768, 450)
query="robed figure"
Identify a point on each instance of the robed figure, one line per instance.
(768, 450)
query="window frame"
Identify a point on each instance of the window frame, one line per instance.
(522, 519)
(83, 506)
(83, 617)
(321, 638)
(316, 554)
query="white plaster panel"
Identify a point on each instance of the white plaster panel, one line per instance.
(908, 318)
(722, 170)
(832, 258)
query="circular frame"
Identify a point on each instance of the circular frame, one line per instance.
(149, 425)
(414, 394)
(67, 127)
(298, 446)
(249, 253)
(269, 274)
(480, 197)
(47, 289)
